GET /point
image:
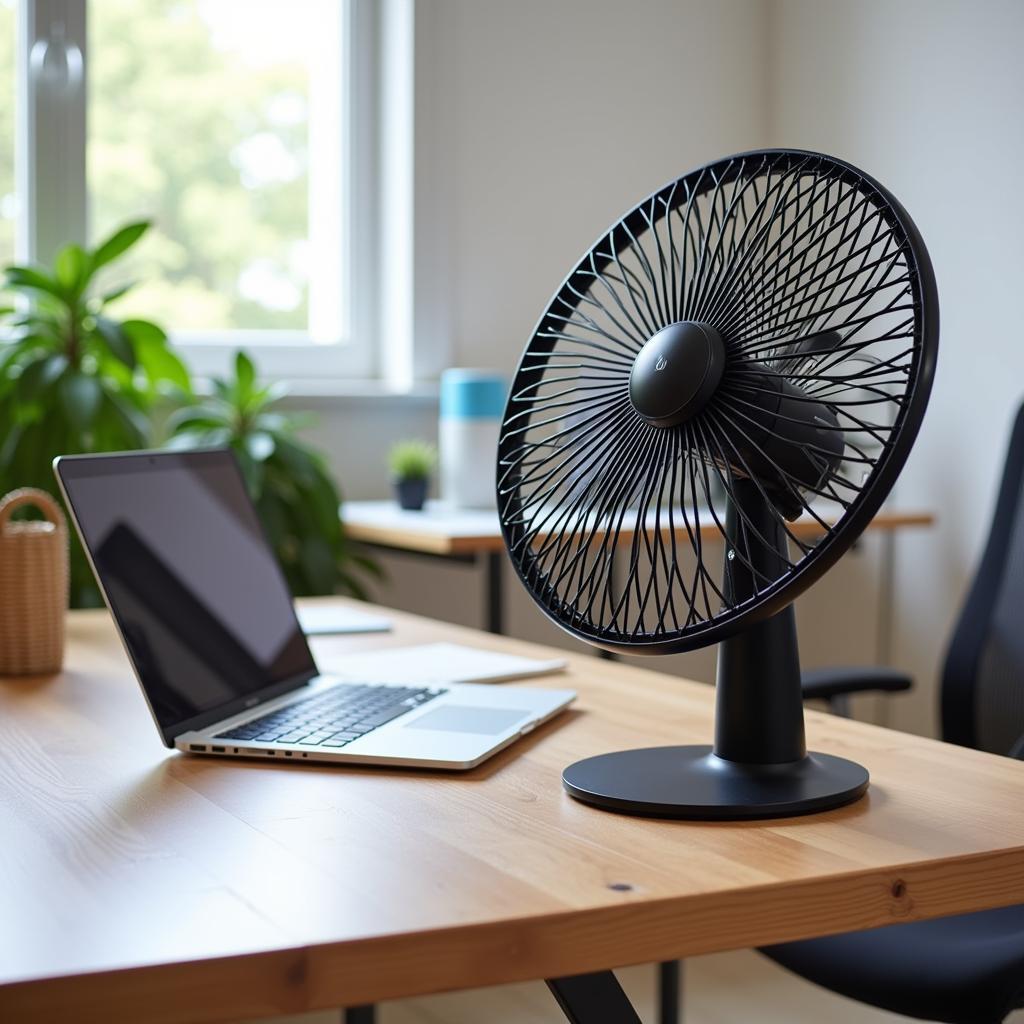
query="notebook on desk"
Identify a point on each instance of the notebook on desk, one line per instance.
(210, 629)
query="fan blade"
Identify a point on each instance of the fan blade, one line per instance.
(788, 441)
(817, 344)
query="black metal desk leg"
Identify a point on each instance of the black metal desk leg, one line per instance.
(360, 1015)
(593, 999)
(669, 991)
(495, 596)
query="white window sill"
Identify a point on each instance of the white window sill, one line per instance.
(427, 391)
(337, 391)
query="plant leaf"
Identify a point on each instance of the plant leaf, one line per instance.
(214, 437)
(144, 330)
(324, 503)
(205, 414)
(113, 372)
(251, 470)
(10, 446)
(298, 461)
(80, 395)
(117, 340)
(134, 425)
(369, 565)
(161, 365)
(120, 241)
(29, 277)
(318, 564)
(223, 391)
(273, 392)
(55, 366)
(71, 268)
(37, 376)
(40, 321)
(21, 346)
(116, 293)
(159, 362)
(245, 378)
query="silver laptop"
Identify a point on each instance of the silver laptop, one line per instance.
(209, 626)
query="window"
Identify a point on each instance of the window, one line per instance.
(229, 124)
(8, 197)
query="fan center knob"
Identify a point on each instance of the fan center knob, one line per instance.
(676, 373)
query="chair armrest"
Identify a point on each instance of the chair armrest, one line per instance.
(825, 683)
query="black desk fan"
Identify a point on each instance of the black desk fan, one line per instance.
(751, 345)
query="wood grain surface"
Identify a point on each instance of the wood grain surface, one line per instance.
(140, 884)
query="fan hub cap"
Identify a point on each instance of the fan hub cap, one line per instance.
(676, 372)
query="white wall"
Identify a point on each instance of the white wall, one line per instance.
(565, 114)
(926, 95)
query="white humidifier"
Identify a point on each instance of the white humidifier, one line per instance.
(472, 404)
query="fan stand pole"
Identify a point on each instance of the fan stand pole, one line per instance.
(759, 715)
(759, 766)
(759, 711)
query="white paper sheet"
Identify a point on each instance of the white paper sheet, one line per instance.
(437, 663)
(325, 620)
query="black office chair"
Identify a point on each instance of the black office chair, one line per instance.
(967, 969)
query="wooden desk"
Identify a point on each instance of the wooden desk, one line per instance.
(441, 530)
(475, 536)
(143, 885)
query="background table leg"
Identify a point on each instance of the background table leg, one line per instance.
(669, 991)
(360, 1015)
(495, 596)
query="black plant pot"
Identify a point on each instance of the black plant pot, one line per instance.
(412, 494)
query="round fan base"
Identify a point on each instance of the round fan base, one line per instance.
(693, 782)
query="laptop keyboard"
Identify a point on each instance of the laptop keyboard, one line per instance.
(335, 717)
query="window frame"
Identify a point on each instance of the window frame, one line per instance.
(51, 181)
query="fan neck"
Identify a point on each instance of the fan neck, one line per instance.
(759, 717)
(676, 372)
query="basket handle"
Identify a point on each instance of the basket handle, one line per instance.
(30, 496)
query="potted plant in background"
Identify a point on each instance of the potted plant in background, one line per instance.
(411, 464)
(295, 496)
(73, 378)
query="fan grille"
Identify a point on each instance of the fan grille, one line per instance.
(820, 290)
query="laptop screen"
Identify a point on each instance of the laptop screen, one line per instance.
(200, 600)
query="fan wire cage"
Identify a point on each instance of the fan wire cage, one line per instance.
(715, 403)
(810, 277)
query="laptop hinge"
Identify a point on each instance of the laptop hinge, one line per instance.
(234, 707)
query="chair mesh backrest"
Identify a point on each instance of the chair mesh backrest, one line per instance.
(983, 683)
(999, 688)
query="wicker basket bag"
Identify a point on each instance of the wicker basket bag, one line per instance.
(33, 585)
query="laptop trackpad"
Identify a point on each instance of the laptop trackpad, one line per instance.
(464, 718)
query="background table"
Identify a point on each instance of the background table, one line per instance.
(143, 885)
(474, 537)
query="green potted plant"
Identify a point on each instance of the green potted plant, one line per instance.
(289, 483)
(411, 464)
(74, 378)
